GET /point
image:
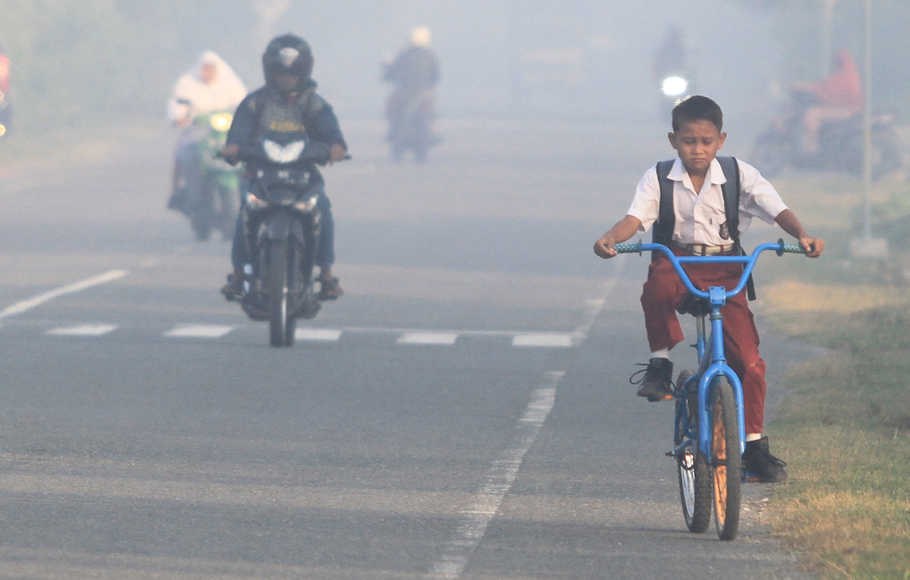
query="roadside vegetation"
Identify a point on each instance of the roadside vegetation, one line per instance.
(845, 427)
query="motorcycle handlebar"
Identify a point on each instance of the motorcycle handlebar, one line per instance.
(315, 152)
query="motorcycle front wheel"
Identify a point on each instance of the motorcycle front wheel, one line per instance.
(278, 293)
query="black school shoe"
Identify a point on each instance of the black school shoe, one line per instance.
(760, 466)
(657, 382)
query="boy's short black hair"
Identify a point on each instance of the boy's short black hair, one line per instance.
(698, 108)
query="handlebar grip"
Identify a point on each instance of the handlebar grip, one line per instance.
(628, 248)
(789, 248)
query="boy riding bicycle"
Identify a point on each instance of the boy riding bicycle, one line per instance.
(692, 219)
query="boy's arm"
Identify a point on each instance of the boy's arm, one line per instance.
(790, 223)
(622, 231)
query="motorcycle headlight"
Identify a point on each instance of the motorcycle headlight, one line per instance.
(283, 153)
(254, 203)
(674, 86)
(221, 122)
(2, 129)
(307, 205)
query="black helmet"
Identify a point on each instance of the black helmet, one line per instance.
(287, 53)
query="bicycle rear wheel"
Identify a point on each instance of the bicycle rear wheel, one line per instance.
(727, 459)
(692, 469)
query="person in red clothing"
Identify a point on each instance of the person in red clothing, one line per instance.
(700, 228)
(839, 96)
(4, 72)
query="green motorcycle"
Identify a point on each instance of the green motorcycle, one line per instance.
(216, 203)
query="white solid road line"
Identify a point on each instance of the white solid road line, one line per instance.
(446, 338)
(317, 334)
(84, 330)
(25, 305)
(473, 521)
(544, 340)
(199, 331)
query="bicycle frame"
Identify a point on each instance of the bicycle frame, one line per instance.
(712, 362)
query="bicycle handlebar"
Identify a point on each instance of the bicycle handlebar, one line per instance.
(779, 247)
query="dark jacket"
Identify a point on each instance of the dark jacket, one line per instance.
(415, 69)
(265, 109)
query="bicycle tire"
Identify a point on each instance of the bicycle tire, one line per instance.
(694, 476)
(725, 471)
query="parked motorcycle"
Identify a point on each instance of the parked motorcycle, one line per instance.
(840, 143)
(282, 228)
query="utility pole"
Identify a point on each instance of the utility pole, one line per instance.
(867, 123)
(268, 12)
(867, 246)
(827, 17)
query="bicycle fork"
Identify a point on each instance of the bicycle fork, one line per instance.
(712, 364)
(710, 368)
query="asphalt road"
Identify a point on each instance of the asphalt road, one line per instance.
(463, 411)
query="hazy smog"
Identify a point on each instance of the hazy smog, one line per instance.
(405, 322)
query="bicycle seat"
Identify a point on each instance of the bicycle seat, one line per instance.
(694, 305)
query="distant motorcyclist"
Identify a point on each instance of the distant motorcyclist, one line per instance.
(415, 74)
(670, 57)
(837, 97)
(287, 103)
(212, 85)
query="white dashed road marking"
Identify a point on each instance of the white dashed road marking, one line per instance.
(317, 334)
(84, 330)
(445, 338)
(25, 305)
(547, 340)
(498, 481)
(199, 331)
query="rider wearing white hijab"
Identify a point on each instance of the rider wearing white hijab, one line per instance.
(212, 85)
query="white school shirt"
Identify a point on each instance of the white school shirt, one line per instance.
(700, 217)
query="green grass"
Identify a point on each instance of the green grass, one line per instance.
(845, 426)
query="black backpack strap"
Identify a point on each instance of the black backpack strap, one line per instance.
(731, 190)
(662, 232)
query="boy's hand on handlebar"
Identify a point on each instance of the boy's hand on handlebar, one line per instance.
(604, 247)
(813, 246)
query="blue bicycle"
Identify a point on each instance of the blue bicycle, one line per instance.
(709, 434)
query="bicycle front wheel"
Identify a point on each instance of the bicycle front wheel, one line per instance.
(726, 459)
(692, 469)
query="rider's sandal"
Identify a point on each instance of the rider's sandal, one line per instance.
(330, 289)
(233, 290)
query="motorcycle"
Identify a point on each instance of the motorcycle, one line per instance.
(6, 113)
(674, 88)
(214, 203)
(840, 143)
(282, 230)
(410, 124)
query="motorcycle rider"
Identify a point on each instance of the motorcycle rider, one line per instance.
(211, 85)
(838, 97)
(670, 57)
(415, 74)
(287, 102)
